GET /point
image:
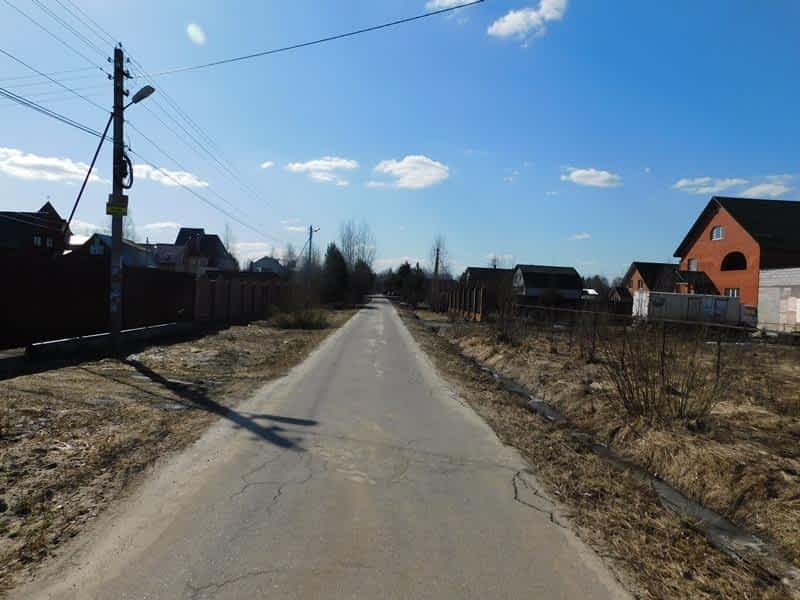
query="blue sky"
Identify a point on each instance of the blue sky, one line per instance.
(559, 132)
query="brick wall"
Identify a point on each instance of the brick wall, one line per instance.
(710, 254)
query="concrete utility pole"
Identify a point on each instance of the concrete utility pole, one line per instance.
(117, 205)
(435, 283)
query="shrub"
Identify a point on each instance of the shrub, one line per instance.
(661, 376)
(302, 319)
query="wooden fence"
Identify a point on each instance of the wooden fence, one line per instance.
(467, 303)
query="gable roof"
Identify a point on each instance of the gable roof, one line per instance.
(541, 276)
(773, 224)
(486, 274)
(186, 233)
(15, 225)
(655, 275)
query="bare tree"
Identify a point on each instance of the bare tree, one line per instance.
(290, 258)
(227, 238)
(356, 242)
(128, 227)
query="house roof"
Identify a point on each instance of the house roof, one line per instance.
(268, 263)
(655, 275)
(621, 292)
(772, 223)
(20, 223)
(106, 239)
(541, 276)
(168, 253)
(487, 274)
(186, 233)
(663, 277)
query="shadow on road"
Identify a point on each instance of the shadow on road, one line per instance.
(197, 397)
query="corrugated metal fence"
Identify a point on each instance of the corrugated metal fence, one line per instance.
(45, 299)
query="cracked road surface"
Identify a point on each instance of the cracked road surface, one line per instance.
(359, 475)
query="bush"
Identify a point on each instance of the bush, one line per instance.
(302, 319)
(662, 376)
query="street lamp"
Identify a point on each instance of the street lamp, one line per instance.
(143, 93)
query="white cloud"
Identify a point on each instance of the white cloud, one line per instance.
(442, 4)
(774, 187)
(325, 169)
(169, 178)
(267, 164)
(502, 259)
(530, 21)
(85, 229)
(412, 172)
(580, 236)
(592, 177)
(33, 167)
(196, 34)
(707, 185)
(551, 193)
(511, 175)
(247, 251)
(648, 170)
(296, 228)
(162, 226)
(387, 263)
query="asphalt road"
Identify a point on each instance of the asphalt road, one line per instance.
(359, 475)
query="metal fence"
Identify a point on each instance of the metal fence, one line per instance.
(44, 299)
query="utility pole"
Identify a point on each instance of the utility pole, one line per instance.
(311, 232)
(435, 283)
(117, 205)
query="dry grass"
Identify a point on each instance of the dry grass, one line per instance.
(74, 438)
(742, 459)
(654, 552)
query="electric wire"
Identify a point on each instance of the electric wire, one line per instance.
(90, 44)
(315, 42)
(48, 112)
(206, 200)
(54, 36)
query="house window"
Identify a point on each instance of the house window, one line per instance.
(37, 241)
(718, 233)
(640, 284)
(693, 264)
(732, 292)
(49, 242)
(734, 261)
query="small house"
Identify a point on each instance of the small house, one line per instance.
(39, 233)
(539, 284)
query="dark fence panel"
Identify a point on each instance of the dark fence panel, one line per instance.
(151, 297)
(52, 298)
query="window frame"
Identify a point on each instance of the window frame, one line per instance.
(692, 264)
(38, 242)
(717, 229)
(733, 292)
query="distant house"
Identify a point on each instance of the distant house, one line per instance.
(539, 283)
(40, 233)
(666, 277)
(194, 251)
(735, 239)
(268, 264)
(487, 277)
(99, 244)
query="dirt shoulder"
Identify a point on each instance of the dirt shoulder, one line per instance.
(654, 552)
(73, 439)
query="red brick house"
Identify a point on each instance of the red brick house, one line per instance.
(733, 239)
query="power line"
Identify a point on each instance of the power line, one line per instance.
(318, 41)
(54, 36)
(225, 165)
(58, 83)
(47, 112)
(96, 26)
(206, 200)
(25, 77)
(89, 43)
